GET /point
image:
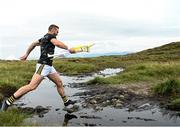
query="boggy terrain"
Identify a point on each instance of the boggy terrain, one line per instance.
(150, 75)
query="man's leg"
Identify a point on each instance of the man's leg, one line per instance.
(35, 81)
(56, 79)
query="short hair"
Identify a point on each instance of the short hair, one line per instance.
(53, 26)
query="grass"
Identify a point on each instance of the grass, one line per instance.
(174, 104)
(74, 68)
(170, 87)
(170, 90)
(140, 72)
(15, 73)
(156, 65)
(152, 65)
(12, 117)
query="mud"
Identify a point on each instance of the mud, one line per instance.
(97, 97)
(38, 110)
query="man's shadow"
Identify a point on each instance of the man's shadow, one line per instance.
(68, 117)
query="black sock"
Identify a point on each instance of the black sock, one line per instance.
(10, 100)
(65, 99)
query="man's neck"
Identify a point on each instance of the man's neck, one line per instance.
(50, 33)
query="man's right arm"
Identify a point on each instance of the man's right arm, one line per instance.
(61, 45)
(30, 48)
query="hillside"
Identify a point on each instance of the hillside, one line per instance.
(169, 51)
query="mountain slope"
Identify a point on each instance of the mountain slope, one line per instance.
(169, 51)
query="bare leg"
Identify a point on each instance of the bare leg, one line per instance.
(35, 81)
(56, 79)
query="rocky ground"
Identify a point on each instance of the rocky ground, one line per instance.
(121, 96)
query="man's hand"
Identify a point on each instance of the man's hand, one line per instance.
(24, 57)
(30, 48)
(71, 50)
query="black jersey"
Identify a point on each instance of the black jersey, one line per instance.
(46, 48)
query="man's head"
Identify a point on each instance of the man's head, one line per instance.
(53, 29)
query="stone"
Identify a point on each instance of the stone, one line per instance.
(84, 105)
(116, 96)
(121, 97)
(40, 109)
(108, 101)
(119, 101)
(118, 105)
(114, 100)
(28, 110)
(57, 109)
(98, 108)
(93, 101)
(98, 97)
(145, 106)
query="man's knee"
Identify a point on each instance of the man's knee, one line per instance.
(31, 87)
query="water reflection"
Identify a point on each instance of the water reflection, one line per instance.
(170, 115)
(67, 118)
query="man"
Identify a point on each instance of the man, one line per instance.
(44, 67)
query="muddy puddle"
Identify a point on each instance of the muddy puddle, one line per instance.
(47, 106)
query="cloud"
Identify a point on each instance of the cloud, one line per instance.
(119, 25)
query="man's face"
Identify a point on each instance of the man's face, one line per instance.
(55, 31)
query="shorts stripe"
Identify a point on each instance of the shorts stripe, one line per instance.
(40, 69)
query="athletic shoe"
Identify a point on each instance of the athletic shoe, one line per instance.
(69, 102)
(70, 116)
(4, 105)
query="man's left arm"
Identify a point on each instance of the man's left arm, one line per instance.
(30, 48)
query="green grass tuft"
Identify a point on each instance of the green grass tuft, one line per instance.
(12, 117)
(168, 88)
(174, 104)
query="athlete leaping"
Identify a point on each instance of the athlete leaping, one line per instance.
(44, 67)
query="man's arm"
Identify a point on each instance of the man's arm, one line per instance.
(30, 48)
(61, 45)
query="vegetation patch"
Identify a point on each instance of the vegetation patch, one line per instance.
(12, 117)
(170, 91)
(170, 87)
(141, 72)
(174, 104)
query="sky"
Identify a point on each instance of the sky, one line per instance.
(113, 25)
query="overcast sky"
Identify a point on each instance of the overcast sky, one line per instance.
(114, 25)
